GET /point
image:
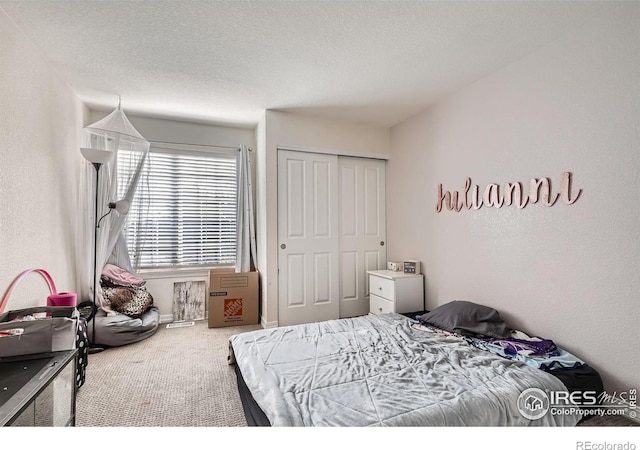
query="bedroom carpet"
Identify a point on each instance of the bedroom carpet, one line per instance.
(179, 377)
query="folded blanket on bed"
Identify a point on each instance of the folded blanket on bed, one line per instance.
(556, 359)
(521, 348)
(519, 343)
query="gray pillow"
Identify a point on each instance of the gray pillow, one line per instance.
(468, 318)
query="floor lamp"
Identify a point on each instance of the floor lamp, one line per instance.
(97, 159)
(101, 141)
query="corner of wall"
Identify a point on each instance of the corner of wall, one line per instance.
(39, 174)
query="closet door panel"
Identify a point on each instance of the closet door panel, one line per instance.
(362, 229)
(308, 267)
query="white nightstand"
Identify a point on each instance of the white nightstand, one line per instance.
(395, 292)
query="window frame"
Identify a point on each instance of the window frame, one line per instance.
(195, 150)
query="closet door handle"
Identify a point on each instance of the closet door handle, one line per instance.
(283, 246)
(381, 243)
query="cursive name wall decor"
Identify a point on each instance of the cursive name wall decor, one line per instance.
(511, 194)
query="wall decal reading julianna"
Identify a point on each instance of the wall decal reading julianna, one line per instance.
(511, 194)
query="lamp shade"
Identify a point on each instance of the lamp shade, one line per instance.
(122, 206)
(101, 140)
(96, 155)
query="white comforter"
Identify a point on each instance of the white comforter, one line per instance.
(379, 371)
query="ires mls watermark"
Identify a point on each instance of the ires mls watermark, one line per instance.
(534, 403)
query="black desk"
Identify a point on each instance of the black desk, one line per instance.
(38, 390)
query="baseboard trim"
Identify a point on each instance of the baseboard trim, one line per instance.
(168, 318)
(268, 324)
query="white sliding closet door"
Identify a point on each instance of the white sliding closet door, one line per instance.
(362, 230)
(308, 239)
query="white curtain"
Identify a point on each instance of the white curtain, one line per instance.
(111, 245)
(245, 228)
(120, 255)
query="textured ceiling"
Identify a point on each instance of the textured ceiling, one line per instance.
(376, 62)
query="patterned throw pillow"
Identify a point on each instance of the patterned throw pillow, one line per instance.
(130, 301)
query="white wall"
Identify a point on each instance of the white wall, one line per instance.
(297, 132)
(40, 122)
(567, 272)
(160, 283)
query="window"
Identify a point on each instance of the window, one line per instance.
(184, 211)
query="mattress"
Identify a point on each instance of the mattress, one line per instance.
(380, 371)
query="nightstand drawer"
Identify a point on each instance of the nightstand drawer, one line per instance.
(382, 287)
(379, 305)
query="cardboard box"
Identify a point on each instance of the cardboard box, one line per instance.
(233, 298)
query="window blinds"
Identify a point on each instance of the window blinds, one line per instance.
(184, 211)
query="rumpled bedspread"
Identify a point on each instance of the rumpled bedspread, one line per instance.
(379, 371)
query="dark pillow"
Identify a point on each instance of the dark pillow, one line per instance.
(468, 318)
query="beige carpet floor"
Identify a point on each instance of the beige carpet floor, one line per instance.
(179, 377)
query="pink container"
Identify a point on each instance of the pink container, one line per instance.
(62, 299)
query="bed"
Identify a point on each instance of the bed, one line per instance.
(382, 370)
